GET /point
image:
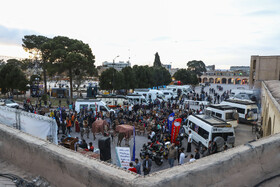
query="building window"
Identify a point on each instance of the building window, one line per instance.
(254, 64)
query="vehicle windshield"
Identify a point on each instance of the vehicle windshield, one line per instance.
(254, 110)
(8, 101)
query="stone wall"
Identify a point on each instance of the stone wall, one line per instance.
(245, 165)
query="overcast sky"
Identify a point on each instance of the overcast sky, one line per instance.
(220, 32)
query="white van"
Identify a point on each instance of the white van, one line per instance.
(94, 104)
(136, 99)
(185, 90)
(151, 95)
(114, 101)
(235, 92)
(205, 128)
(224, 112)
(247, 110)
(168, 94)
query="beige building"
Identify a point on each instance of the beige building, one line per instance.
(270, 107)
(263, 68)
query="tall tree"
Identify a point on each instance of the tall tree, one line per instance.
(196, 66)
(70, 56)
(129, 78)
(33, 44)
(157, 62)
(11, 78)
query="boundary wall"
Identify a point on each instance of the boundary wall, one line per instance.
(244, 165)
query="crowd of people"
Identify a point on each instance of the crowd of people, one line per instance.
(153, 118)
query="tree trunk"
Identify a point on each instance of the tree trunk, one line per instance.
(71, 88)
(45, 77)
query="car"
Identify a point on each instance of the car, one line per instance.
(9, 103)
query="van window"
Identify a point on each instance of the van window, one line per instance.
(229, 115)
(83, 106)
(203, 133)
(212, 113)
(255, 110)
(219, 115)
(102, 108)
(92, 107)
(241, 110)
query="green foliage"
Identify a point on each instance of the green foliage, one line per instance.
(198, 67)
(157, 62)
(11, 77)
(186, 76)
(136, 77)
(65, 55)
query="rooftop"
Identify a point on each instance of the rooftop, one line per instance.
(274, 87)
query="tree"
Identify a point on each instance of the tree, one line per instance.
(157, 62)
(106, 79)
(11, 78)
(70, 56)
(197, 66)
(186, 76)
(33, 44)
(129, 78)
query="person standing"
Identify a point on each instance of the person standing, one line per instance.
(182, 157)
(197, 155)
(147, 165)
(189, 148)
(172, 155)
(138, 166)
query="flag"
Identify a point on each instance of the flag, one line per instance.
(175, 129)
(170, 121)
(133, 152)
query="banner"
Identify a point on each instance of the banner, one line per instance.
(123, 157)
(170, 121)
(40, 126)
(175, 129)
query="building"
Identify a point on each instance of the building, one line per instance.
(270, 107)
(118, 65)
(224, 77)
(210, 68)
(167, 66)
(263, 68)
(245, 69)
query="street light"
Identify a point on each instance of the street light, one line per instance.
(114, 71)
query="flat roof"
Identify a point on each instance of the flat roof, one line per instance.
(211, 120)
(222, 107)
(274, 88)
(243, 102)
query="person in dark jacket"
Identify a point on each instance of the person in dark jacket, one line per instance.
(147, 165)
(197, 155)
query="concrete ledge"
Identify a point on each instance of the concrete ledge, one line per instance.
(245, 165)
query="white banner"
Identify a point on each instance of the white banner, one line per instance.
(7, 116)
(123, 156)
(34, 124)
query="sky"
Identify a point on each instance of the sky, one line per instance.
(220, 32)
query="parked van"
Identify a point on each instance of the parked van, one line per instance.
(235, 92)
(136, 99)
(94, 104)
(151, 95)
(205, 128)
(185, 90)
(224, 112)
(247, 110)
(168, 94)
(114, 101)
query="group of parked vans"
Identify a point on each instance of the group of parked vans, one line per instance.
(218, 122)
